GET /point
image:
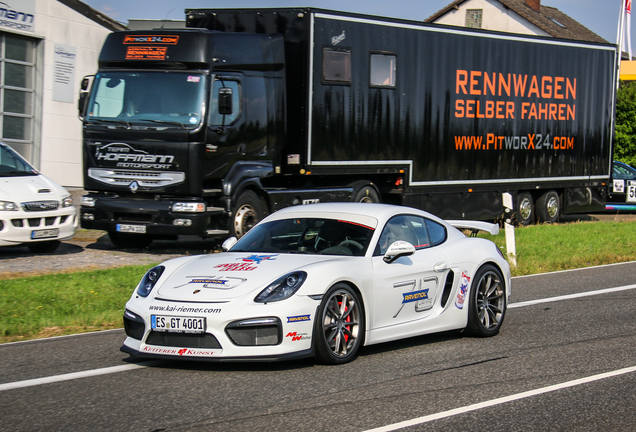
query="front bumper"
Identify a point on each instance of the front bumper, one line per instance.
(18, 227)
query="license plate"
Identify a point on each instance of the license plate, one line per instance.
(177, 324)
(141, 229)
(46, 233)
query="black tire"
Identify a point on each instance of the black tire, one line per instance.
(548, 207)
(367, 194)
(129, 241)
(487, 305)
(44, 247)
(339, 326)
(247, 212)
(525, 209)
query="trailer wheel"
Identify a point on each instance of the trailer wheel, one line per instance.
(525, 209)
(247, 212)
(548, 207)
(366, 194)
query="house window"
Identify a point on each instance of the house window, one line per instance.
(473, 18)
(382, 73)
(336, 66)
(17, 86)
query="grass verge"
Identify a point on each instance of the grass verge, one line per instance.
(60, 304)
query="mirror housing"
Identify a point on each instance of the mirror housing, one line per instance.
(228, 243)
(398, 249)
(225, 101)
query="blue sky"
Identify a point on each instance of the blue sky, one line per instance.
(600, 16)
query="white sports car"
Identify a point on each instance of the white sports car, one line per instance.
(321, 280)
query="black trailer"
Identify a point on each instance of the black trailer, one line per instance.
(275, 107)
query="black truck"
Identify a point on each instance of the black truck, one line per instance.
(204, 130)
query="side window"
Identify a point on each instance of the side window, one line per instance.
(407, 228)
(336, 66)
(109, 98)
(382, 70)
(221, 86)
(436, 232)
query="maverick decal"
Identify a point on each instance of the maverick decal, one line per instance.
(123, 155)
(297, 336)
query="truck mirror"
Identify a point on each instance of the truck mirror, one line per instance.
(225, 101)
(81, 103)
(85, 83)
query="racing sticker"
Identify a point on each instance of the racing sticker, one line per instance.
(247, 264)
(295, 336)
(299, 318)
(213, 282)
(463, 287)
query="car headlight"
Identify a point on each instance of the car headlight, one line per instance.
(282, 288)
(67, 201)
(149, 280)
(8, 206)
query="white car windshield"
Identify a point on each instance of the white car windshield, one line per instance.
(12, 164)
(307, 236)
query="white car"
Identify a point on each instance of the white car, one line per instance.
(34, 210)
(321, 280)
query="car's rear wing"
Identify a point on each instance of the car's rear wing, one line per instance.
(475, 226)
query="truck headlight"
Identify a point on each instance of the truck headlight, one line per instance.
(88, 201)
(188, 207)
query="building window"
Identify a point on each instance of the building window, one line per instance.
(17, 86)
(473, 18)
(382, 73)
(336, 66)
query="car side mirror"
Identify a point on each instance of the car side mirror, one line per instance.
(398, 249)
(227, 244)
(225, 101)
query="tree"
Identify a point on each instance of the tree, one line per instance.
(625, 142)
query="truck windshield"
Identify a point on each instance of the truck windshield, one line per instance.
(152, 99)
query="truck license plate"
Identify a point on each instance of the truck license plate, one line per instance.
(177, 324)
(141, 229)
(46, 233)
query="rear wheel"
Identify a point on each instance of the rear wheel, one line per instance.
(248, 211)
(487, 305)
(129, 241)
(366, 194)
(44, 247)
(339, 327)
(548, 207)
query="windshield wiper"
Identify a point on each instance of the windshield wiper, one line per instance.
(122, 122)
(17, 173)
(165, 122)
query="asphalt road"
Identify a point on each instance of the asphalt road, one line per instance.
(525, 378)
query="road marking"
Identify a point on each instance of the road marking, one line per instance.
(72, 376)
(502, 400)
(570, 296)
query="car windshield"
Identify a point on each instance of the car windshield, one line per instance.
(307, 236)
(149, 99)
(12, 164)
(623, 171)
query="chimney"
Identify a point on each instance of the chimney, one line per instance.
(534, 4)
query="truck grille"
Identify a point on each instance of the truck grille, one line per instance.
(147, 179)
(34, 206)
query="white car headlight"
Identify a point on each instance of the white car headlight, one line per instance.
(149, 280)
(67, 201)
(282, 288)
(8, 206)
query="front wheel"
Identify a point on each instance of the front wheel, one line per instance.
(487, 305)
(247, 212)
(339, 328)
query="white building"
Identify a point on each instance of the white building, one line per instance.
(46, 47)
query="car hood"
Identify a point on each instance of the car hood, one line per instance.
(30, 188)
(226, 276)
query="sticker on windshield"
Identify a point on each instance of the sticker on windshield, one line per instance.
(193, 120)
(194, 79)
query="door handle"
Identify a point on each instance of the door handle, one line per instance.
(440, 266)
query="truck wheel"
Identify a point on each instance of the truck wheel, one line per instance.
(548, 207)
(44, 247)
(366, 194)
(525, 209)
(129, 241)
(247, 212)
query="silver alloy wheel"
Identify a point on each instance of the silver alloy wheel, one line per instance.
(490, 300)
(525, 208)
(341, 322)
(552, 206)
